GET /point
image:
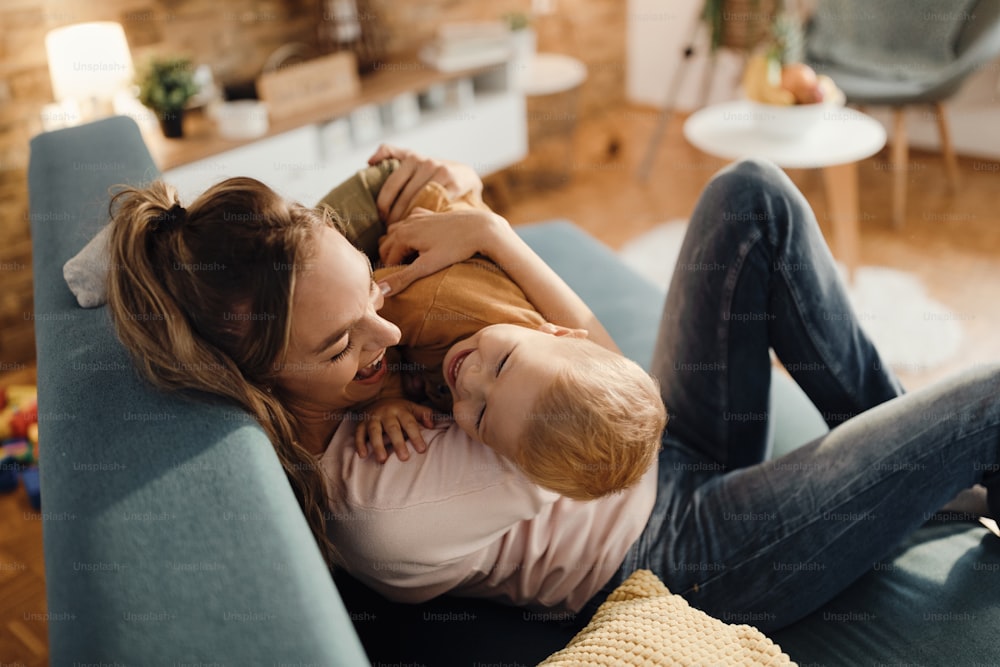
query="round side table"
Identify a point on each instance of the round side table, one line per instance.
(550, 73)
(835, 144)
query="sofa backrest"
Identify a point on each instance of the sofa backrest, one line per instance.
(171, 533)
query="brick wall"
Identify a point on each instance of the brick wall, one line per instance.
(591, 30)
(235, 37)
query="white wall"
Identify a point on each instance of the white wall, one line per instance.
(658, 32)
(660, 29)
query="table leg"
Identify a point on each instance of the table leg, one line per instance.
(842, 206)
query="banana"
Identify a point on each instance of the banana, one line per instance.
(777, 95)
(755, 76)
(762, 81)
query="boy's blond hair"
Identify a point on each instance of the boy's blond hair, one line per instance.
(596, 428)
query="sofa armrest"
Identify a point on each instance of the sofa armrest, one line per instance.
(171, 534)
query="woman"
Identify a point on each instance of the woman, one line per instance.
(292, 321)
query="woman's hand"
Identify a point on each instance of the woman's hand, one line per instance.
(392, 417)
(439, 240)
(414, 172)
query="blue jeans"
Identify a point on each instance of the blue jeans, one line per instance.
(768, 542)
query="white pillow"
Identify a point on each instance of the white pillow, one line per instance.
(87, 272)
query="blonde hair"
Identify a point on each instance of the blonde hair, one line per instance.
(596, 428)
(176, 274)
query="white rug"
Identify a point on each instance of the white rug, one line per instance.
(913, 332)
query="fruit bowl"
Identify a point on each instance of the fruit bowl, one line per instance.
(791, 121)
(787, 100)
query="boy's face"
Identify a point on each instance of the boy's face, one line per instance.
(496, 376)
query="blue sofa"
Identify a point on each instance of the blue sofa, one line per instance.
(171, 535)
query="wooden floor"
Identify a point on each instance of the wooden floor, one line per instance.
(950, 240)
(23, 625)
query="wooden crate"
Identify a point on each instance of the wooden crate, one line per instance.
(309, 85)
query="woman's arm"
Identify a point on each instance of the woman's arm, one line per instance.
(442, 239)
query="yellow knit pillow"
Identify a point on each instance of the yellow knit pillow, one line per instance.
(642, 623)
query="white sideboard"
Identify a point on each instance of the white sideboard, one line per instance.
(476, 117)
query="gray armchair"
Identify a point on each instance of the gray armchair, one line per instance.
(904, 52)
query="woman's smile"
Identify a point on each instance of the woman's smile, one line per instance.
(373, 372)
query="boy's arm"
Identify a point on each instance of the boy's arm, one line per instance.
(398, 420)
(552, 297)
(354, 201)
(443, 239)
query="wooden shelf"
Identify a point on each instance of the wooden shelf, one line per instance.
(390, 80)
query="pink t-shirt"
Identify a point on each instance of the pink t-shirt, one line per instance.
(461, 519)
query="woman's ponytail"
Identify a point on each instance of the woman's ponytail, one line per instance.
(175, 275)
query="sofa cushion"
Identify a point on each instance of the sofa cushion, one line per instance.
(934, 601)
(642, 623)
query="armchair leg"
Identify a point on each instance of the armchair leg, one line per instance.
(900, 167)
(947, 150)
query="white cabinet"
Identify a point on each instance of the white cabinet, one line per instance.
(476, 118)
(281, 161)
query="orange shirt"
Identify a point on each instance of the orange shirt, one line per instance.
(439, 310)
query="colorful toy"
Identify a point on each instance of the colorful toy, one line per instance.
(19, 450)
(19, 422)
(23, 417)
(19, 440)
(32, 486)
(8, 474)
(17, 394)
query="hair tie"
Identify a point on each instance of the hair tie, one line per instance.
(171, 218)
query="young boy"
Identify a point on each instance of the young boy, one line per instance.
(575, 417)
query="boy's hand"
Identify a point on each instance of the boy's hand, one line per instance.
(399, 419)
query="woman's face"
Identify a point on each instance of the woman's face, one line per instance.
(338, 341)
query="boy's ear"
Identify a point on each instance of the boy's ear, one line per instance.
(558, 330)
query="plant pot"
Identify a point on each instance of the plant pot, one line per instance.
(740, 24)
(172, 123)
(523, 44)
(748, 22)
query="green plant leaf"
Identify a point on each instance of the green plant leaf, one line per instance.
(166, 84)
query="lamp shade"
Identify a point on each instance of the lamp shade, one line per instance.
(88, 62)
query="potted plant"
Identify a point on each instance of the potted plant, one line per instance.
(739, 24)
(165, 86)
(517, 20)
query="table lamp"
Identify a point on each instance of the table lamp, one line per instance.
(89, 64)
